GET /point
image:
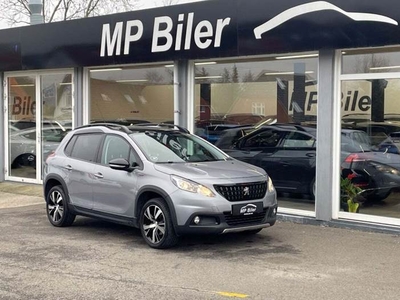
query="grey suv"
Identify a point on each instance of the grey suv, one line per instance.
(159, 178)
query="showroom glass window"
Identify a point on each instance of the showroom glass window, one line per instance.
(265, 100)
(131, 95)
(40, 114)
(370, 147)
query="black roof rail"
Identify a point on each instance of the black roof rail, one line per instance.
(108, 125)
(180, 128)
(286, 125)
(299, 127)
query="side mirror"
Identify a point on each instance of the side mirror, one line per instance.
(122, 164)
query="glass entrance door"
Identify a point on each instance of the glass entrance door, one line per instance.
(22, 131)
(56, 110)
(39, 114)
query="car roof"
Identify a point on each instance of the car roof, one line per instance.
(126, 122)
(346, 130)
(162, 127)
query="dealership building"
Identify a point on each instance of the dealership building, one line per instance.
(330, 65)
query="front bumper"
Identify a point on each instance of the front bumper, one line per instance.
(214, 223)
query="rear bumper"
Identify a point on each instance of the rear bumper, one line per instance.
(227, 223)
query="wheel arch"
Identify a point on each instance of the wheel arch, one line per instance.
(54, 180)
(21, 156)
(149, 192)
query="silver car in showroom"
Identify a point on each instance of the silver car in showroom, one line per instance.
(23, 144)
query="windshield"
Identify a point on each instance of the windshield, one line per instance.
(353, 146)
(175, 147)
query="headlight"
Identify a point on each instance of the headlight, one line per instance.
(270, 185)
(385, 169)
(191, 186)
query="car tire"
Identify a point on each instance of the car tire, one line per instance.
(156, 225)
(378, 197)
(57, 208)
(24, 160)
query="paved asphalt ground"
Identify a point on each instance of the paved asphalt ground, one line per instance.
(98, 260)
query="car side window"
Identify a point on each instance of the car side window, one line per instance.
(70, 146)
(115, 147)
(298, 140)
(266, 138)
(86, 146)
(132, 158)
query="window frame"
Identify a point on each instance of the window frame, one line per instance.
(96, 155)
(103, 144)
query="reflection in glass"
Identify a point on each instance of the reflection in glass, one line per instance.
(132, 95)
(22, 127)
(264, 113)
(369, 61)
(56, 119)
(56, 110)
(370, 143)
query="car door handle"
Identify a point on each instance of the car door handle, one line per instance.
(310, 154)
(68, 167)
(98, 175)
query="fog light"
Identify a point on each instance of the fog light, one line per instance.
(196, 220)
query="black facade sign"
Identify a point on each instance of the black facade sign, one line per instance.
(208, 29)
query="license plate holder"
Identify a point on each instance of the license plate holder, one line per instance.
(247, 209)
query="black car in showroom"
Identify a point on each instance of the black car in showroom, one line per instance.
(288, 153)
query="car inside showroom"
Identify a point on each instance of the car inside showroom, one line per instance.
(306, 90)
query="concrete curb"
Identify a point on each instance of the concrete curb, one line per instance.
(8, 200)
(22, 188)
(15, 194)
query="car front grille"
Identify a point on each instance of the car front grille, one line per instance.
(244, 220)
(242, 191)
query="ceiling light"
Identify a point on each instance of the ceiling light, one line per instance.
(197, 64)
(384, 68)
(208, 77)
(205, 63)
(131, 80)
(297, 56)
(106, 70)
(287, 73)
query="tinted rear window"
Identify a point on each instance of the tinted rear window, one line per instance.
(86, 146)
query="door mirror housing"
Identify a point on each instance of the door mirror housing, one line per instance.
(122, 164)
